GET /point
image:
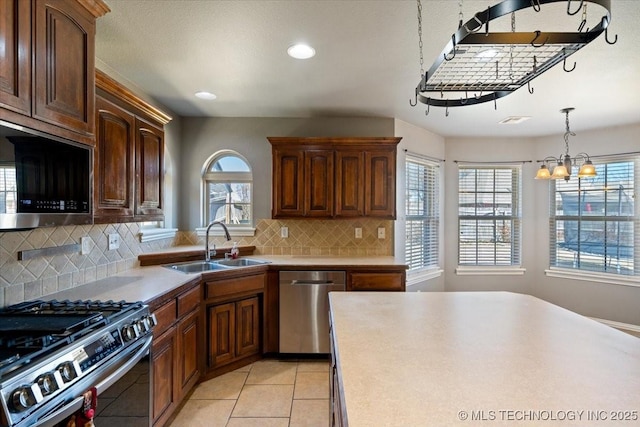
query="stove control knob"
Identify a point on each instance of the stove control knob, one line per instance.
(69, 371)
(152, 320)
(26, 396)
(129, 332)
(50, 382)
(143, 326)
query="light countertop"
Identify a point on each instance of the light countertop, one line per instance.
(138, 284)
(480, 358)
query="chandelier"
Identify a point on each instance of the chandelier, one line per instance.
(561, 166)
(478, 66)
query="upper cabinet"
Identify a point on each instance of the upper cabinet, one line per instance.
(334, 177)
(47, 64)
(129, 155)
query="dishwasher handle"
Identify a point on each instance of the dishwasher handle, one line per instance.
(312, 282)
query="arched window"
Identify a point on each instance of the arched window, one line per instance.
(228, 190)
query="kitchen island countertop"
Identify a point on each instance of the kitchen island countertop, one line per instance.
(479, 358)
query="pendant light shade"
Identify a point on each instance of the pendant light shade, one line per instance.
(588, 170)
(543, 172)
(559, 172)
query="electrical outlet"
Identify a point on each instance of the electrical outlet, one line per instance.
(85, 243)
(114, 241)
(284, 232)
(358, 233)
(381, 232)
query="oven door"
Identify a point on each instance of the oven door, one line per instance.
(122, 388)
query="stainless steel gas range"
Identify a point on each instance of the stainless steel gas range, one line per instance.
(53, 352)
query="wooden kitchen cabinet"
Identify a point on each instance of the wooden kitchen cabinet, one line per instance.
(376, 281)
(234, 310)
(334, 177)
(47, 52)
(129, 155)
(176, 362)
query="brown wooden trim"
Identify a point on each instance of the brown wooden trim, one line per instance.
(192, 255)
(97, 8)
(324, 142)
(116, 89)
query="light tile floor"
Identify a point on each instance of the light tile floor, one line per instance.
(268, 393)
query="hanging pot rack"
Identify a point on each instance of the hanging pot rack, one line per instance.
(459, 71)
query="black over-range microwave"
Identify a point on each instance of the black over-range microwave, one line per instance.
(44, 180)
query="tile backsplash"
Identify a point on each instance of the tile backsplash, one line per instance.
(34, 278)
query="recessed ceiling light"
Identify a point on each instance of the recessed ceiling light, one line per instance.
(301, 51)
(205, 95)
(514, 120)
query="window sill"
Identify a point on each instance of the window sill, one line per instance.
(152, 234)
(490, 271)
(592, 276)
(233, 231)
(418, 276)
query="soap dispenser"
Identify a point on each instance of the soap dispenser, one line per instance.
(234, 250)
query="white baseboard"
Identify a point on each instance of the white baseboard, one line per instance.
(635, 329)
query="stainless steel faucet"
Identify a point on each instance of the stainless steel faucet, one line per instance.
(207, 255)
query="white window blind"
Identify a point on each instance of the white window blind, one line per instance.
(594, 223)
(422, 212)
(489, 222)
(8, 195)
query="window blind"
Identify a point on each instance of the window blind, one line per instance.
(422, 212)
(489, 223)
(594, 223)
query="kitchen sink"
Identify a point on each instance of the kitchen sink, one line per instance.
(241, 262)
(197, 266)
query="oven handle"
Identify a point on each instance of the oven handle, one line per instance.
(69, 409)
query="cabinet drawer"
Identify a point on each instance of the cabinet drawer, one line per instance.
(376, 282)
(239, 285)
(165, 316)
(188, 301)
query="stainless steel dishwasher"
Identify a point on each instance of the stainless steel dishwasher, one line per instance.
(304, 309)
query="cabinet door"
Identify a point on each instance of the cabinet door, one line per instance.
(188, 351)
(64, 58)
(163, 375)
(222, 337)
(380, 189)
(15, 59)
(113, 168)
(318, 167)
(247, 327)
(149, 171)
(349, 183)
(288, 183)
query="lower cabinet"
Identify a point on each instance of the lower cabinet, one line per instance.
(234, 331)
(234, 309)
(175, 352)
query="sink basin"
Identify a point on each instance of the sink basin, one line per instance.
(241, 262)
(197, 266)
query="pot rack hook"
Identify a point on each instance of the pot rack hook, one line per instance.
(606, 31)
(464, 100)
(538, 32)
(453, 40)
(564, 63)
(415, 99)
(446, 111)
(426, 113)
(569, 7)
(529, 88)
(535, 4)
(495, 102)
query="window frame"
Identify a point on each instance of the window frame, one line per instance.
(431, 215)
(575, 271)
(514, 267)
(207, 177)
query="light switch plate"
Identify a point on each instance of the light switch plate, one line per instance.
(284, 232)
(114, 241)
(358, 233)
(381, 232)
(85, 243)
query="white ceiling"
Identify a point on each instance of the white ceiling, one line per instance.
(367, 62)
